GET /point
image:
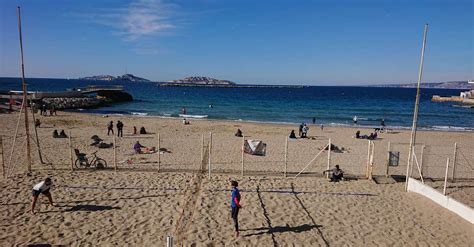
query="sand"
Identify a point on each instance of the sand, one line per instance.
(137, 205)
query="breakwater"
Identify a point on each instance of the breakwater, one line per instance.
(72, 103)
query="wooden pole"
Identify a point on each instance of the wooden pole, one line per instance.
(446, 176)
(37, 138)
(25, 98)
(210, 151)
(412, 159)
(159, 152)
(286, 157)
(371, 160)
(70, 152)
(388, 160)
(417, 106)
(202, 150)
(3, 157)
(421, 158)
(115, 154)
(243, 145)
(454, 161)
(368, 161)
(329, 158)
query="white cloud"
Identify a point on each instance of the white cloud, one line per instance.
(139, 19)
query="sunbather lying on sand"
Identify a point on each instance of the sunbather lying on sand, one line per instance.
(137, 148)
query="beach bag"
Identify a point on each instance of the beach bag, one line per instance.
(255, 147)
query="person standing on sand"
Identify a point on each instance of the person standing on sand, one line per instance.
(235, 205)
(42, 187)
(110, 127)
(119, 129)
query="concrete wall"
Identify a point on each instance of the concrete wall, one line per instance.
(458, 208)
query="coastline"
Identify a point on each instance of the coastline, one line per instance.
(335, 125)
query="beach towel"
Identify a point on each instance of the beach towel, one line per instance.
(255, 147)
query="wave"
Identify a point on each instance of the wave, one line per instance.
(192, 116)
(139, 113)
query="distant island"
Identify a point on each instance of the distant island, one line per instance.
(441, 85)
(200, 81)
(125, 77)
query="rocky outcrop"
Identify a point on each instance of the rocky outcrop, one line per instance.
(125, 77)
(201, 80)
(72, 103)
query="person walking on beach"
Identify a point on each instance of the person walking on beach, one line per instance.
(42, 187)
(110, 127)
(235, 205)
(119, 129)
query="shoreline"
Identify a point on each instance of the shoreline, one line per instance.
(332, 125)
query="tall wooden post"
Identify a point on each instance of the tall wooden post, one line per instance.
(417, 106)
(3, 158)
(25, 98)
(70, 152)
(115, 153)
(454, 161)
(329, 158)
(36, 135)
(243, 146)
(368, 160)
(210, 152)
(159, 152)
(388, 160)
(421, 158)
(202, 150)
(286, 156)
(371, 168)
(446, 176)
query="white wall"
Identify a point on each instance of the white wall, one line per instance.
(458, 208)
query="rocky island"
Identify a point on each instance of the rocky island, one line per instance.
(199, 81)
(125, 77)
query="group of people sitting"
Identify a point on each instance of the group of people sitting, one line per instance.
(142, 130)
(372, 136)
(61, 134)
(302, 131)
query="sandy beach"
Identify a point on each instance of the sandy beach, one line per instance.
(144, 201)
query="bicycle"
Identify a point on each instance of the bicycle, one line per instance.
(83, 161)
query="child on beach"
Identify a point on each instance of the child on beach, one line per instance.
(42, 187)
(235, 205)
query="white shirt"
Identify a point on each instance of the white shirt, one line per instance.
(42, 186)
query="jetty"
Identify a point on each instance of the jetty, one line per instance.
(81, 97)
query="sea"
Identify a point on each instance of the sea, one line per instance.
(329, 105)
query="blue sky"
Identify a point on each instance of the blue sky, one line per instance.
(325, 42)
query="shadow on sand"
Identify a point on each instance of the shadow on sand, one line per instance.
(91, 208)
